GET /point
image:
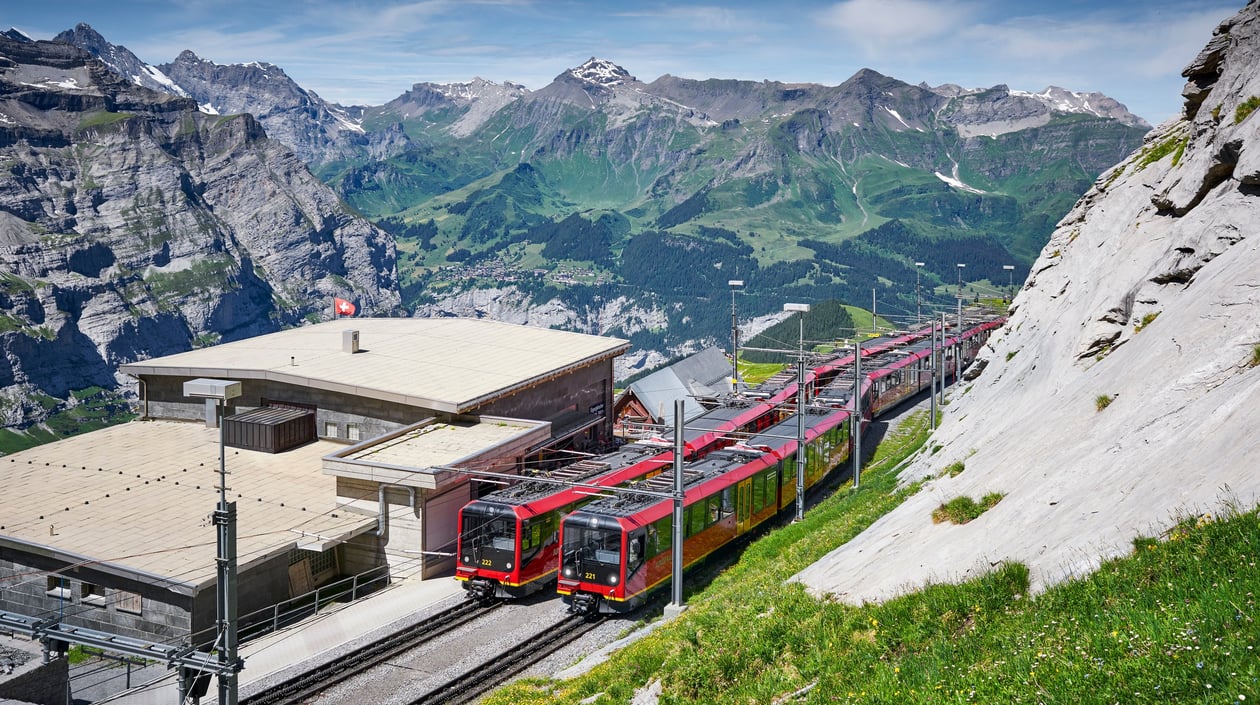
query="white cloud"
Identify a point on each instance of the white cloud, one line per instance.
(880, 26)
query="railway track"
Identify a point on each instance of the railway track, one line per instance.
(496, 670)
(304, 685)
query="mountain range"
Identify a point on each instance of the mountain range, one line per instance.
(598, 203)
(133, 224)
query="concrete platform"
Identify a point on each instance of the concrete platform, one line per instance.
(318, 640)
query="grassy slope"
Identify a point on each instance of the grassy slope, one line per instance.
(1173, 623)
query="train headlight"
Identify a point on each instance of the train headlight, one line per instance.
(468, 559)
(613, 580)
(568, 572)
(509, 566)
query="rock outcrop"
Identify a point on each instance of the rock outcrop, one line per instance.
(133, 225)
(1124, 392)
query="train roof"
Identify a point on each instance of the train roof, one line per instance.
(728, 465)
(588, 470)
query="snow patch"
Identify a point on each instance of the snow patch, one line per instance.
(68, 83)
(956, 183)
(894, 114)
(163, 80)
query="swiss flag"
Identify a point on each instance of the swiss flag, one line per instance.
(343, 307)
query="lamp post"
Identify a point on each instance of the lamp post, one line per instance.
(217, 392)
(918, 297)
(734, 284)
(1010, 279)
(802, 309)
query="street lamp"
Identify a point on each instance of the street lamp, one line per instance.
(800, 410)
(918, 298)
(217, 392)
(1010, 278)
(734, 284)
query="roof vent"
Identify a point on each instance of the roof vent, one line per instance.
(350, 341)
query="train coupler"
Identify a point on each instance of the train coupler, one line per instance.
(584, 603)
(481, 589)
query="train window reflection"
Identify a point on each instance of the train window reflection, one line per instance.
(599, 545)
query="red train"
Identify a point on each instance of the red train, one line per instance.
(508, 540)
(616, 550)
(508, 543)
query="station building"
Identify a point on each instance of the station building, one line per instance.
(345, 455)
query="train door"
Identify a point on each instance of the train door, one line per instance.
(743, 505)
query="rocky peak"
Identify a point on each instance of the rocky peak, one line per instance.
(316, 130)
(119, 59)
(479, 88)
(16, 35)
(1093, 103)
(602, 73)
(1119, 396)
(999, 110)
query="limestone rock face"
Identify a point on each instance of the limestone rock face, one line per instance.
(1147, 297)
(134, 225)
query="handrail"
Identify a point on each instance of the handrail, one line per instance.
(295, 609)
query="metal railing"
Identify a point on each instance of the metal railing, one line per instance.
(296, 609)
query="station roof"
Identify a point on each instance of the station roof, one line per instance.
(446, 364)
(421, 455)
(705, 374)
(135, 500)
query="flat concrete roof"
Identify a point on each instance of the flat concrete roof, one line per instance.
(418, 455)
(135, 499)
(445, 364)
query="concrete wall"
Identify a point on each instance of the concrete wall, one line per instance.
(588, 389)
(361, 554)
(582, 389)
(441, 527)
(163, 613)
(37, 682)
(374, 417)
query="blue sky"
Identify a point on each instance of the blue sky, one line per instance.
(365, 52)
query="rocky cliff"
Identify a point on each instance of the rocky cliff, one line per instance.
(316, 130)
(133, 225)
(1124, 392)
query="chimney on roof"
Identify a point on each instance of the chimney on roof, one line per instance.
(350, 341)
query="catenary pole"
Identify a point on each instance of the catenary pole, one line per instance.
(932, 364)
(677, 538)
(857, 412)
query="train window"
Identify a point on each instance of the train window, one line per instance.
(634, 553)
(662, 534)
(600, 545)
(715, 509)
(758, 491)
(696, 518)
(531, 535)
(728, 502)
(487, 529)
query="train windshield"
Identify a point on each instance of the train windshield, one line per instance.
(488, 536)
(591, 553)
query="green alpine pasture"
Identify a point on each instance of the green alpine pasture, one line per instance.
(1174, 622)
